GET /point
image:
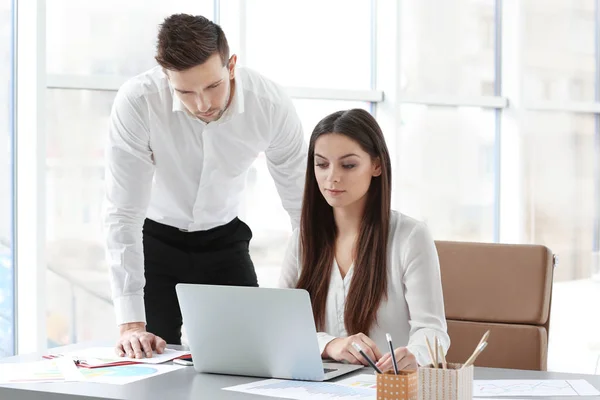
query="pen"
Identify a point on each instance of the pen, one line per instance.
(362, 353)
(389, 339)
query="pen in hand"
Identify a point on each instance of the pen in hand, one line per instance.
(389, 340)
(366, 357)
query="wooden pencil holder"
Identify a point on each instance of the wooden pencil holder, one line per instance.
(453, 383)
(404, 386)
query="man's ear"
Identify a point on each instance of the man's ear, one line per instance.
(231, 66)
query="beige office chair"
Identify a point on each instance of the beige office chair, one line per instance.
(504, 288)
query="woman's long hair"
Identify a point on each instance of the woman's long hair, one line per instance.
(318, 231)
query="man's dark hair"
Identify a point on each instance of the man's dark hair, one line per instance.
(185, 41)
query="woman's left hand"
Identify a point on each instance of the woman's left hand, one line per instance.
(404, 359)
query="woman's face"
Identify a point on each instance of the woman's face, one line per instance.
(343, 170)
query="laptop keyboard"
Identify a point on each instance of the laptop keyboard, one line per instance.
(328, 370)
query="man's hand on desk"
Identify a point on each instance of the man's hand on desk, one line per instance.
(135, 342)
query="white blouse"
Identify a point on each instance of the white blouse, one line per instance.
(414, 308)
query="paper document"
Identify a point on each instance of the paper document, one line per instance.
(124, 374)
(304, 390)
(550, 387)
(64, 370)
(60, 370)
(95, 357)
(359, 381)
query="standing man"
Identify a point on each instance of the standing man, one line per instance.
(181, 140)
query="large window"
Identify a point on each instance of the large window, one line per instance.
(77, 277)
(330, 48)
(559, 50)
(109, 45)
(446, 169)
(6, 183)
(77, 120)
(448, 47)
(439, 75)
(114, 38)
(559, 158)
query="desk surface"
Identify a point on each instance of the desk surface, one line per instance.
(187, 384)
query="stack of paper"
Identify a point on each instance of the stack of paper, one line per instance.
(64, 370)
(105, 357)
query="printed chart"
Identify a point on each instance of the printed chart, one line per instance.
(496, 388)
(304, 390)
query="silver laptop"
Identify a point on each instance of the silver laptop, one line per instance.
(253, 331)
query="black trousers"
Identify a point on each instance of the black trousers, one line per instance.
(217, 256)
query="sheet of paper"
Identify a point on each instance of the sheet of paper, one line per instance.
(304, 390)
(360, 381)
(551, 387)
(58, 370)
(124, 374)
(105, 355)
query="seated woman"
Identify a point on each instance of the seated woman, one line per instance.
(369, 270)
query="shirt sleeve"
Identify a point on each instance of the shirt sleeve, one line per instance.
(128, 178)
(423, 293)
(286, 158)
(290, 273)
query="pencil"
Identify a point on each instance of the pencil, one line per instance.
(475, 354)
(436, 344)
(484, 338)
(430, 352)
(444, 364)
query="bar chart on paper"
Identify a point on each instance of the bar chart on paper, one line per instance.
(359, 381)
(304, 390)
(550, 387)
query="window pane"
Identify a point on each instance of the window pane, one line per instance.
(559, 182)
(446, 170)
(109, 37)
(262, 209)
(291, 47)
(447, 47)
(6, 193)
(560, 206)
(77, 279)
(559, 50)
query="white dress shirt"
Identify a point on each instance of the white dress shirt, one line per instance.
(169, 166)
(414, 308)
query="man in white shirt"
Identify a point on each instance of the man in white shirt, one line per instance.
(182, 138)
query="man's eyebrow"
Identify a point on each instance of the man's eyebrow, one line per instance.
(215, 83)
(191, 91)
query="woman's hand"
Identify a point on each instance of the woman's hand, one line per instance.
(341, 349)
(404, 359)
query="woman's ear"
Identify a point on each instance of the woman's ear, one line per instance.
(376, 167)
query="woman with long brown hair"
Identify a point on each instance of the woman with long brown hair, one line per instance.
(368, 270)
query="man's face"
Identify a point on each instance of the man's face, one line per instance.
(205, 90)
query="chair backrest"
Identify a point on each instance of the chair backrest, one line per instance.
(501, 287)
